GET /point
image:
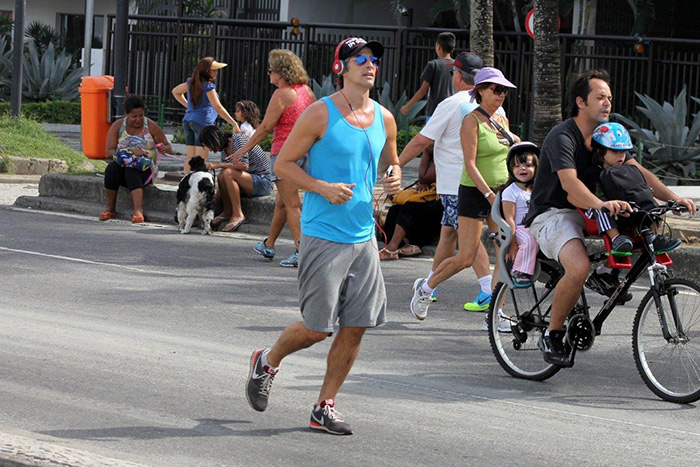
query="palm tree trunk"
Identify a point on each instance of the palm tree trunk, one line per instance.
(547, 69)
(481, 30)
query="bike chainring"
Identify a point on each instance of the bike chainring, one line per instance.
(580, 332)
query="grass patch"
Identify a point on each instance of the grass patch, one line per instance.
(23, 137)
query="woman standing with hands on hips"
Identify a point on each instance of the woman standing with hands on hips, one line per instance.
(287, 103)
(198, 95)
(485, 143)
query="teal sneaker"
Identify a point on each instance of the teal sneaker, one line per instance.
(433, 296)
(480, 303)
(291, 262)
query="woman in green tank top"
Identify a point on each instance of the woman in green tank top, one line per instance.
(485, 149)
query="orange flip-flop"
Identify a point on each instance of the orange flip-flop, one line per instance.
(137, 219)
(107, 215)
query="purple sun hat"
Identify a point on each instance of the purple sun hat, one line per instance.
(490, 75)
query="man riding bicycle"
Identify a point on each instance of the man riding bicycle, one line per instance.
(566, 179)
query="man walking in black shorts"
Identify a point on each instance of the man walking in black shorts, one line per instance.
(349, 139)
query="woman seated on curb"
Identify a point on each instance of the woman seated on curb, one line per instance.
(415, 220)
(248, 175)
(139, 136)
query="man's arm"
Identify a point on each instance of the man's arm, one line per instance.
(414, 147)
(660, 190)
(307, 130)
(388, 158)
(580, 196)
(420, 94)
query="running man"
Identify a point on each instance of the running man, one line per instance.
(349, 139)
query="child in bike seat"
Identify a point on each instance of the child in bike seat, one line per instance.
(522, 162)
(618, 180)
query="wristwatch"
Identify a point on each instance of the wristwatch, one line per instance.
(489, 194)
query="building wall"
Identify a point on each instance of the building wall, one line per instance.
(47, 11)
(353, 12)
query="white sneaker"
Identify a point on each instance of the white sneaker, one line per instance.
(420, 301)
(504, 324)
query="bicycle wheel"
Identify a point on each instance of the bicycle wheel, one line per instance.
(670, 368)
(516, 348)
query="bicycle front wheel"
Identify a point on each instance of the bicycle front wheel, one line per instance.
(670, 365)
(516, 323)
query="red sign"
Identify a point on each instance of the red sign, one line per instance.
(530, 23)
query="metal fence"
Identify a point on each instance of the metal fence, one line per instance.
(164, 50)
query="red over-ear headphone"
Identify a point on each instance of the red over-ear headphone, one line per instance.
(338, 64)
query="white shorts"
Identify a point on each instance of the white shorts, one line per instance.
(554, 228)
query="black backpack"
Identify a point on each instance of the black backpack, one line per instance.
(626, 183)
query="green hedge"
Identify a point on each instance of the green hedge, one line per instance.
(48, 112)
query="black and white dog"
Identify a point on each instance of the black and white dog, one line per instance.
(195, 196)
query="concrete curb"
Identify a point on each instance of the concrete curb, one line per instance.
(83, 194)
(14, 178)
(21, 451)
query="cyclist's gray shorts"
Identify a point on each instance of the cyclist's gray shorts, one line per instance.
(555, 228)
(340, 283)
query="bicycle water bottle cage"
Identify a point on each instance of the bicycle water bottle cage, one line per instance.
(614, 261)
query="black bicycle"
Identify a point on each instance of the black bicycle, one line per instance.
(666, 331)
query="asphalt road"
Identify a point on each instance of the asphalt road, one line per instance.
(133, 342)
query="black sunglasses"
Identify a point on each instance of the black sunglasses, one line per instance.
(499, 89)
(362, 59)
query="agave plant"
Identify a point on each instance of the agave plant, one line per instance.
(49, 75)
(670, 149)
(326, 88)
(402, 121)
(5, 61)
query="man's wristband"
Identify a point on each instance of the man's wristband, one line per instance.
(488, 194)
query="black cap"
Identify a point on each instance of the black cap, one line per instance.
(468, 62)
(352, 45)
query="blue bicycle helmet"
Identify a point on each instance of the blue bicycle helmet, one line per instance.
(613, 136)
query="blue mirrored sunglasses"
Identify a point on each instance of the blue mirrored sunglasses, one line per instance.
(362, 59)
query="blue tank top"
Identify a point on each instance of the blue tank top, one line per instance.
(343, 155)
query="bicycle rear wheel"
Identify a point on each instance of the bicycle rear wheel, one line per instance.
(517, 351)
(670, 367)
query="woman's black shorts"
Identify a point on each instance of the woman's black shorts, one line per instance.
(471, 203)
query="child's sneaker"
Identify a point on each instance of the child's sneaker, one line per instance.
(621, 244)
(662, 244)
(520, 279)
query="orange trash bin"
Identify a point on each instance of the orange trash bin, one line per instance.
(96, 115)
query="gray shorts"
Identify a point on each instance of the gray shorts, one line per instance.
(340, 282)
(554, 228)
(303, 163)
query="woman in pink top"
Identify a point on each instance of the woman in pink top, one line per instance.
(287, 103)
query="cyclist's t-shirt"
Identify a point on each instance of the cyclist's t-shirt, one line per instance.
(563, 148)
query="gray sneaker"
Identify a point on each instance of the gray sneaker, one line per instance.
(259, 382)
(420, 301)
(325, 417)
(291, 262)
